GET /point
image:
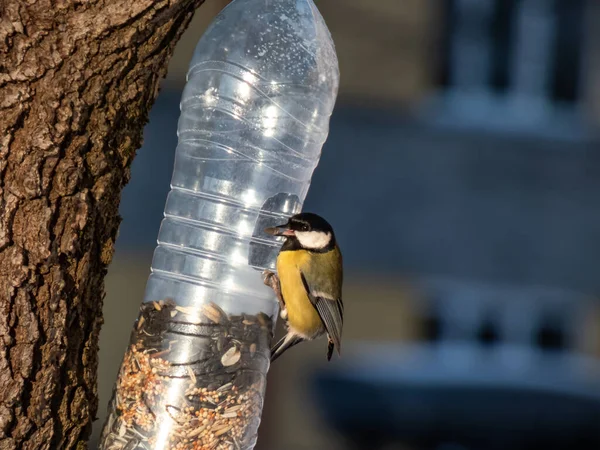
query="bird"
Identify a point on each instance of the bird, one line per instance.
(308, 283)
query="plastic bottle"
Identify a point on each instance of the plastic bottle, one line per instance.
(254, 116)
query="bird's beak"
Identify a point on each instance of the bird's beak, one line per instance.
(280, 230)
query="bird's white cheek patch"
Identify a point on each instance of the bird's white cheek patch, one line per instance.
(313, 239)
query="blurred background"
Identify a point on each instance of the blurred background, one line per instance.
(462, 176)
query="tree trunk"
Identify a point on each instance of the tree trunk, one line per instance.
(77, 79)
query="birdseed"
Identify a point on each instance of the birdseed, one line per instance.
(191, 379)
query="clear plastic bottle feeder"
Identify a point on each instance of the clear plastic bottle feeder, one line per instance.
(254, 116)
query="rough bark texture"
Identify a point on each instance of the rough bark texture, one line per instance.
(77, 79)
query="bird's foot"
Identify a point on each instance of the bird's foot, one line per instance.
(271, 280)
(268, 278)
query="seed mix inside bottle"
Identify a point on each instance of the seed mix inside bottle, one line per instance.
(192, 378)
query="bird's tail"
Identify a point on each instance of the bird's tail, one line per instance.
(286, 342)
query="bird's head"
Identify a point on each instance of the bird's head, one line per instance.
(310, 230)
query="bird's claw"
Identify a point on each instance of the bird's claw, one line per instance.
(267, 277)
(271, 280)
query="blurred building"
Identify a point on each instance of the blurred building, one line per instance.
(462, 175)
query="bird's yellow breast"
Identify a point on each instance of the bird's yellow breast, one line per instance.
(302, 315)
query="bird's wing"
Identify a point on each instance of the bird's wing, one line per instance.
(329, 308)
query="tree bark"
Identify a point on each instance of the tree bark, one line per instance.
(77, 79)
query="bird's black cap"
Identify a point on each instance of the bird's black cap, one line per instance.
(309, 222)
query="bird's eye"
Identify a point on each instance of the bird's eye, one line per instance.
(304, 227)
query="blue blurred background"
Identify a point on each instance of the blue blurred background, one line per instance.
(462, 176)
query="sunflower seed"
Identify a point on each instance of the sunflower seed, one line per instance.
(231, 356)
(225, 387)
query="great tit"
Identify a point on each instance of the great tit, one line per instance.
(308, 282)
